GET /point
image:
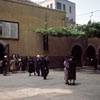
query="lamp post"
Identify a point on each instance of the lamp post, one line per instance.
(45, 38)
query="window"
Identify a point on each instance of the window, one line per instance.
(58, 5)
(64, 7)
(9, 29)
(50, 5)
(70, 9)
(47, 6)
(71, 20)
(45, 43)
(67, 19)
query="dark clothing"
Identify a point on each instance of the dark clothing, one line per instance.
(5, 63)
(31, 66)
(45, 72)
(24, 64)
(17, 64)
(72, 70)
(38, 66)
(1, 66)
(42, 66)
(45, 68)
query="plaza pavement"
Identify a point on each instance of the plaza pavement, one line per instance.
(20, 86)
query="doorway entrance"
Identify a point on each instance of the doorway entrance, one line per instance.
(1, 57)
(4, 50)
(1, 51)
(90, 54)
(77, 54)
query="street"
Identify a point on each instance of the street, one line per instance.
(20, 86)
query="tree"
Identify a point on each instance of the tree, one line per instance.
(70, 31)
(91, 30)
(87, 31)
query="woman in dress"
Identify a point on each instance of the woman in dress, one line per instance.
(31, 66)
(66, 66)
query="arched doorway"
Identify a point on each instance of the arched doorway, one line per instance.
(99, 56)
(90, 54)
(77, 53)
(4, 49)
(1, 57)
(1, 51)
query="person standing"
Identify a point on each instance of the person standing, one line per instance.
(20, 63)
(5, 64)
(66, 66)
(31, 66)
(12, 65)
(24, 64)
(72, 70)
(45, 67)
(42, 65)
(38, 64)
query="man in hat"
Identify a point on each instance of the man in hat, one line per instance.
(38, 64)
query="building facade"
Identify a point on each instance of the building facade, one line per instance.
(18, 22)
(63, 5)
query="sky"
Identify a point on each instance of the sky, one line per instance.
(85, 10)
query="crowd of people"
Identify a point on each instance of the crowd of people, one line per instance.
(18, 63)
(38, 66)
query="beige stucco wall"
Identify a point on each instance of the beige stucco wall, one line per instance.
(30, 18)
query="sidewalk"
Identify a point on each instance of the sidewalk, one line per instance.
(20, 86)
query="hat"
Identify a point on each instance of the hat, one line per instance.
(38, 56)
(5, 56)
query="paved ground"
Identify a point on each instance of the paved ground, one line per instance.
(20, 86)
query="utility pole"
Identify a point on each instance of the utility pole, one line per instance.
(90, 21)
(45, 37)
(91, 15)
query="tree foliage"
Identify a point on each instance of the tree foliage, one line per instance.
(91, 30)
(88, 31)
